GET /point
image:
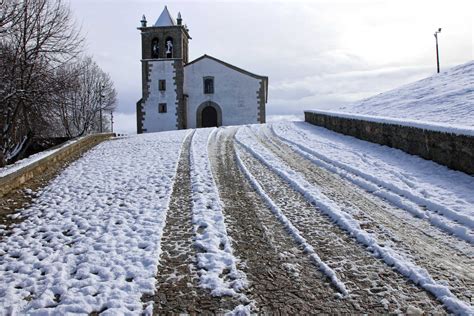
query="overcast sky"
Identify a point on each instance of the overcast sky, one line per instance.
(317, 54)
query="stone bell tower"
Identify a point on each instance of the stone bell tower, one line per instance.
(164, 54)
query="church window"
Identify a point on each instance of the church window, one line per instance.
(169, 47)
(162, 108)
(155, 48)
(162, 85)
(208, 85)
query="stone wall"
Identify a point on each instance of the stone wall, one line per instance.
(449, 149)
(21, 176)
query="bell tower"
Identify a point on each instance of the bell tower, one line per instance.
(164, 54)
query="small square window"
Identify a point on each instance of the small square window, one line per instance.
(162, 108)
(162, 85)
(208, 85)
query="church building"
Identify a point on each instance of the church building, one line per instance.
(206, 92)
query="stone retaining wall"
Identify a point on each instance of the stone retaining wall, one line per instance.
(449, 149)
(21, 176)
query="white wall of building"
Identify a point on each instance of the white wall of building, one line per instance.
(153, 120)
(234, 92)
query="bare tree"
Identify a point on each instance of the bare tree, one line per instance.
(9, 15)
(90, 94)
(38, 37)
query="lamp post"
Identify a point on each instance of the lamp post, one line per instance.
(100, 115)
(111, 121)
(437, 52)
(101, 95)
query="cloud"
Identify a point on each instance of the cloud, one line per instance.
(317, 53)
(333, 90)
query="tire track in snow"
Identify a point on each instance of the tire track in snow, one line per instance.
(282, 277)
(450, 221)
(177, 280)
(218, 268)
(452, 267)
(374, 287)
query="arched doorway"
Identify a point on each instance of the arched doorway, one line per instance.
(209, 117)
(209, 114)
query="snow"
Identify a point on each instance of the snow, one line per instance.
(91, 239)
(33, 158)
(445, 99)
(438, 127)
(421, 187)
(216, 254)
(344, 220)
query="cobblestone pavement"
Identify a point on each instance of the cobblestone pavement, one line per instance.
(177, 289)
(374, 287)
(20, 198)
(447, 259)
(282, 278)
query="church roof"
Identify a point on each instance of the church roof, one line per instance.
(245, 72)
(165, 19)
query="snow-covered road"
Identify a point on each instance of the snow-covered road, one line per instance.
(285, 217)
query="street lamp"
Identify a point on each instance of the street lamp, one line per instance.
(437, 53)
(111, 121)
(101, 95)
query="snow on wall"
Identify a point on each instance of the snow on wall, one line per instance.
(9, 169)
(235, 92)
(446, 98)
(153, 120)
(437, 127)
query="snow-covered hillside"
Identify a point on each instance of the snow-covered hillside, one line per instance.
(446, 98)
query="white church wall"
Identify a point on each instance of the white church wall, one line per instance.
(153, 120)
(234, 92)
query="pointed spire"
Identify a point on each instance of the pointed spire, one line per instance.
(165, 19)
(179, 20)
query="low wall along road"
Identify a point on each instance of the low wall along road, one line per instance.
(20, 176)
(449, 146)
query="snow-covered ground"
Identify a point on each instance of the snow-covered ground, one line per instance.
(431, 191)
(446, 98)
(91, 240)
(446, 196)
(211, 234)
